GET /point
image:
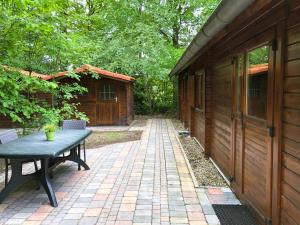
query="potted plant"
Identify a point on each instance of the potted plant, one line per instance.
(49, 130)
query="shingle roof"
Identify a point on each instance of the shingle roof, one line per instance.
(105, 73)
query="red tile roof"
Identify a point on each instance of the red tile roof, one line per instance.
(27, 73)
(259, 68)
(105, 73)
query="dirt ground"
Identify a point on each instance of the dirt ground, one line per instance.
(98, 139)
(204, 170)
(139, 121)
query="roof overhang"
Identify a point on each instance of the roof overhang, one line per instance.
(104, 73)
(27, 73)
(224, 14)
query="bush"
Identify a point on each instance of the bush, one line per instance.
(153, 95)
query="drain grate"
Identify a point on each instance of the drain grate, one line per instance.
(234, 215)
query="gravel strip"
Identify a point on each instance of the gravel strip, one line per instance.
(205, 172)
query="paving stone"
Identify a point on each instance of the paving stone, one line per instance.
(212, 219)
(142, 219)
(133, 183)
(124, 216)
(88, 221)
(69, 222)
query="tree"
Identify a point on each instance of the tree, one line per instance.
(19, 101)
(140, 38)
(179, 20)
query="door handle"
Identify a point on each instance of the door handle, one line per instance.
(116, 98)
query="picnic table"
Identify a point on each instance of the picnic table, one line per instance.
(49, 153)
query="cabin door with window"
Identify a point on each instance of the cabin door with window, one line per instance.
(108, 103)
(254, 129)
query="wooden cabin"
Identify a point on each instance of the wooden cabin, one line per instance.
(239, 95)
(108, 101)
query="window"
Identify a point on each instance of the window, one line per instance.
(199, 90)
(257, 81)
(239, 76)
(107, 92)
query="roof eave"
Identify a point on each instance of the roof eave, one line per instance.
(224, 14)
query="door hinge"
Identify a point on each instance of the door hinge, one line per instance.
(268, 221)
(271, 131)
(274, 45)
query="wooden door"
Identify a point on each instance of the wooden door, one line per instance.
(253, 129)
(107, 104)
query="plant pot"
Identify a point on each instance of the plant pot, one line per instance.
(50, 136)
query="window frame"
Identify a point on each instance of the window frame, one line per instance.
(246, 67)
(105, 94)
(239, 75)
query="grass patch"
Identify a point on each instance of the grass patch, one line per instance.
(100, 138)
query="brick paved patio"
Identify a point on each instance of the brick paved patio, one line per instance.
(141, 182)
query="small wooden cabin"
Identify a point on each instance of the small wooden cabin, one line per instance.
(109, 100)
(239, 95)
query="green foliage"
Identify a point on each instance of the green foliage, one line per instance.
(259, 56)
(140, 38)
(48, 128)
(18, 100)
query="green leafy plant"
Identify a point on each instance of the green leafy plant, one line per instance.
(49, 128)
(19, 100)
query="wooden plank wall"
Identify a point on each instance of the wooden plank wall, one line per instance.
(122, 98)
(190, 100)
(88, 100)
(221, 116)
(130, 102)
(290, 186)
(198, 121)
(247, 144)
(183, 99)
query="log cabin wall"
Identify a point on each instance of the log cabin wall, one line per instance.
(290, 184)
(264, 168)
